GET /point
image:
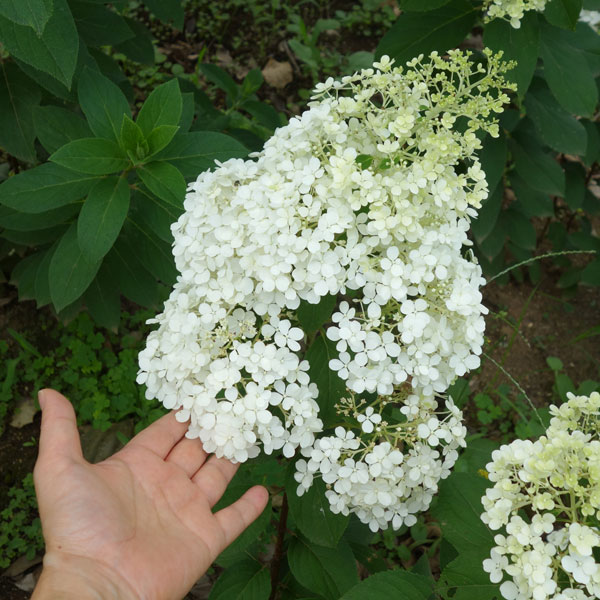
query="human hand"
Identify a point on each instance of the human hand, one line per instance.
(138, 525)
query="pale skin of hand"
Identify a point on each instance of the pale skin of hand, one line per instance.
(138, 525)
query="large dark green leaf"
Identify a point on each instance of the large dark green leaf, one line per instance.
(138, 48)
(555, 126)
(99, 25)
(24, 274)
(44, 188)
(391, 584)
(168, 11)
(96, 156)
(530, 202)
(197, 151)
(563, 13)
(102, 216)
(312, 514)
(592, 151)
(18, 98)
(493, 156)
(330, 572)
(465, 578)
(421, 33)
(521, 45)
(246, 580)
(313, 316)
(488, 214)
(165, 181)
(103, 299)
(56, 126)
(70, 271)
(103, 103)
(31, 13)
(54, 51)
(567, 72)
(458, 510)
(520, 229)
(331, 387)
(538, 169)
(162, 107)
(22, 221)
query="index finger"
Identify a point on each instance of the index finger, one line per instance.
(161, 436)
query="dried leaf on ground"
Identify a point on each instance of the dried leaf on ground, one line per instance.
(278, 74)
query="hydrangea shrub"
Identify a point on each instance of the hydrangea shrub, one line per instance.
(359, 207)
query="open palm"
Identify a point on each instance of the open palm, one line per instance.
(143, 515)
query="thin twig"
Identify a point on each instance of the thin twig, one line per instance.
(276, 562)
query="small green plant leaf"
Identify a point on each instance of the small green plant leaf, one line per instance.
(96, 156)
(221, 79)
(132, 140)
(138, 48)
(162, 107)
(160, 137)
(168, 11)
(102, 216)
(70, 272)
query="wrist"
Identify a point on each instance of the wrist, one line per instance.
(71, 577)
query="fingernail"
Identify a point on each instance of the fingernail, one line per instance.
(42, 398)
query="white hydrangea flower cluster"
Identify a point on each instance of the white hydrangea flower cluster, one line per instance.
(511, 10)
(393, 473)
(591, 17)
(556, 482)
(367, 197)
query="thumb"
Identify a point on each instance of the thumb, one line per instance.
(59, 436)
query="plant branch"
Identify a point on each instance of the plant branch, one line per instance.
(276, 562)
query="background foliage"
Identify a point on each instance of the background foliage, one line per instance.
(100, 134)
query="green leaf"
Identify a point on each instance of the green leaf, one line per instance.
(312, 514)
(492, 156)
(102, 216)
(19, 96)
(592, 151)
(165, 181)
(157, 215)
(103, 300)
(521, 45)
(54, 51)
(567, 72)
(162, 107)
(30, 13)
(153, 253)
(575, 185)
(103, 103)
(197, 151)
(416, 33)
(56, 126)
(132, 140)
(168, 11)
(221, 79)
(138, 48)
(466, 577)
(563, 13)
(160, 137)
(530, 202)
(330, 572)
(331, 387)
(44, 188)
(70, 271)
(24, 275)
(135, 281)
(555, 126)
(313, 316)
(37, 237)
(520, 229)
(265, 114)
(459, 509)
(391, 584)
(246, 580)
(487, 215)
(422, 5)
(42, 278)
(538, 169)
(99, 25)
(96, 156)
(21, 221)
